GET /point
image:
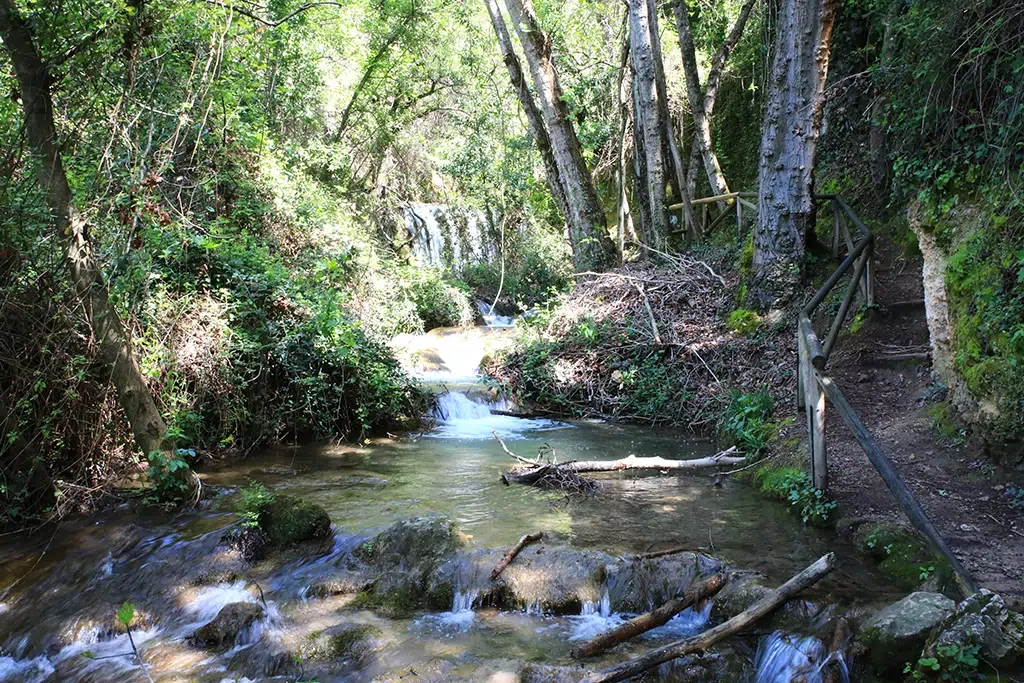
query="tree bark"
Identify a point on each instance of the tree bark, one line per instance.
(701, 122)
(535, 471)
(695, 593)
(789, 141)
(588, 229)
(763, 607)
(624, 91)
(115, 346)
(534, 118)
(648, 126)
(711, 88)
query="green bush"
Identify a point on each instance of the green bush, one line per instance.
(440, 302)
(746, 421)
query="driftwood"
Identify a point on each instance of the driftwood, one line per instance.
(703, 641)
(511, 554)
(530, 475)
(696, 593)
(658, 553)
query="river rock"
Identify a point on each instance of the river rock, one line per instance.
(557, 579)
(406, 554)
(544, 673)
(742, 590)
(983, 619)
(342, 641)
(266, 657)
(641, 585)
(896, 633)
(290, 520)
(222, 631)
(341, 582)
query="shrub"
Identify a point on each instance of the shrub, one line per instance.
(795, 486)
(745, 422)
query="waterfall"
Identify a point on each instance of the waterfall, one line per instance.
(444, 236)
(784, 657)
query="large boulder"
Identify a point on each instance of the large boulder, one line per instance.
(983, 620)
(290, 520)
(223, 630)
(404, 556)
(641, 585)
(896, 633)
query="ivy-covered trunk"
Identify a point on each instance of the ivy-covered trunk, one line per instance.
(115, 346)
(588, 229)
(789, 141)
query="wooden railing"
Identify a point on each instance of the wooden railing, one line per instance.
(705, 224)
(815, 388)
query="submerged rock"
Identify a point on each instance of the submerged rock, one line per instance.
(223, 630)
(342, 582)
(641, 585)
(982, 619)
(266, 657)
(342, 641)
(896, 633)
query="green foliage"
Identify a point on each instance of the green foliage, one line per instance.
(167, 485)
(125, 614)
(794, 485)
(649, 387)
(953, 662)
(256, 499)
(743, 321)
(945, 422)
(746, 421)
(903, 556)
(985, 289)
(1015, 497)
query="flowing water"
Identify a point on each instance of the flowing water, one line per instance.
(59, 589)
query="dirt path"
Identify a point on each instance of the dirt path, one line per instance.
(962, 492)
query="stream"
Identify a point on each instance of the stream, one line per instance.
(59, 589)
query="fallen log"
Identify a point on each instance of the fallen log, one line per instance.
(769, 603)
(696, 593)
(511, 554)
(530, 475)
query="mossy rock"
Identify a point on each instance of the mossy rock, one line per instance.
(289, 520)
(340, 642)
(903, 556)
(395, 603)
(896, 634)
(222, 631)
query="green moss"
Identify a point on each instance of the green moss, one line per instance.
(396, 604)
(747, 259)
(743, 321)
(287, 520)
(793, 485)
(903, 556)
(985, 290)
(945, 423)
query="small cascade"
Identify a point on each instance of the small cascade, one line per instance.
(455, 405)
(492, 319)
(595, 617)
(784, 657)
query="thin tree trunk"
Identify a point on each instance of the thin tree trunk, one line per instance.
(625, 217)
(701, 122)
(711, 88)
(588, 229)
(647, 125)
(114, 343)
(534, 119)
(789, 141)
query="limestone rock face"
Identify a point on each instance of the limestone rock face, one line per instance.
(222, 631)
(983, 619)
(896, 633)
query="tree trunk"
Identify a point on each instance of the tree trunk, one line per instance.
(534, 119)
(624, 91)
(701, 122)
(114, 343)
(588, 229)
(648, 126)
(789, 141)
(711, 88)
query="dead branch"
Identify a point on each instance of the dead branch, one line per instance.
(631, 462)
(694, 594)
(763, 607)
(535, 463)
(659, 553)
(511, 554)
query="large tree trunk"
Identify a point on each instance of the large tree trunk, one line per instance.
(648, 127)
(588, 229)
(789, 141)
(115, 346)
(701, 123)
(711, 88)
(534, 119)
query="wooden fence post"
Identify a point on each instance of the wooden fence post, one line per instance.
(801, 370)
